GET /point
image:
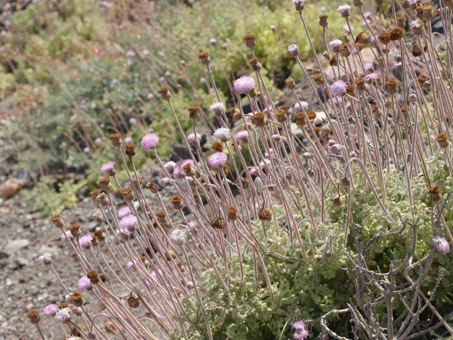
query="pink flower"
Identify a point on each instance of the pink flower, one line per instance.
(98, 141)
(108, 169)
(50, 310)
(222, 134)
(298, 107)
(150, 141)
(128, 222)
(242, 136)
(124, 211)
(128, 140)
(191, 227)
(338, 88)
(336, 100)
(301, 331)
(170, 166)
(154, 275)
(130, 54)
(178, 236)
(335, 45)
(194, 139)
(63, 316)
(218, 108)
(244, 85)
(179, 172)
(86, 149)
(369, 66)
(85, 241)
(441, 245)
(84, 284)
(131, 265)
(46, 259)
(293, 50)
(213, 41)
(344, 10)
(132, 121)
(217, 160)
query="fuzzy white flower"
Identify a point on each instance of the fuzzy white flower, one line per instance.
(218, 108)
(46, 259)
(178, 236)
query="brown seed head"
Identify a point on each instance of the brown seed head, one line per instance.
(204, 58)
(232, 213)
(63, 305)
(250, 40)
(100, 234)
(94, 193)
(318, 79)
(260, 119)
(290, 83)
(133, 301)
(350, 90)
(384, 38)
(130, 149)
(301, 119)
(311, 115)
(165, 93)
(333, 61)
(58, 221)
(105, 183)
(344, 50)
(265, 214)
(94, 277)
(218, 147)
(177, 202)
(362, 38)
(34, 317)
(218, 223)
(255, 64)
(442, 140)
(323, 20)
(194, 112)
(74, 229)
(127, 194)
(281, 116)
(153, 187)
(116, 140)
(401, 21)
(360, 84)
(391, 86)
(337, 202)
(77, 299)
(397, 33)
(110, 327)
(434, 194)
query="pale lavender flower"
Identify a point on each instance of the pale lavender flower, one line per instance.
(244, 85)
(178, 237)
(130, 54)
(132, 121)
(128, 222)
(301, 331)
(149, 96)
(369, 66)
(63, 316)
(344, 10)
(46, 259)
(193, 139)
(124, 211)
(179, 172)
(145, 52)
(128, 140)
(50, 310)
(83, 102)
(242, 136)
(303, 106)
(213, 41)
(108, 169)
(335, 45)
(272, 27)
(293, 50)
(85, 241)
(84, 284)
(191, 227)
(170, 167)
(161, 54)
(222, 134)
(149, 141)
(217, 160)
(441, 245)
(115, 82)
(86, 149)
(98, 141)
(338, 88)
(217, 108)
(154, 275)
(203, 80)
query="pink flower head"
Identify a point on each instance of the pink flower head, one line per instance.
(154, 275)
(336, 100)
(338, 88)
(191, 227)
(46, 259)
(85, 241)
(128, 140)
(301, 331)
(179, 172)
(86, 149)
(194, 139)
(441, 245)
(132, 121)
(170, 166)
(128, 222)
(124, 211)
(335, 45)
(344, 10)
(131, 265)
(254, 171)
(242, 136)
(368, 66)
(98, 141)
(222, 134)
(213, 41)
(150, 141)
(244, 85)
(303, 106)
(293, 50)
(368, 15)
(218, 108)
(130, 54)
(50, 310)
(84, 284)
(217, 160)
(108, 169)
(63, 316)
(372, 76)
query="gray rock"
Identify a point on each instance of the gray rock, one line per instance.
(15, 245)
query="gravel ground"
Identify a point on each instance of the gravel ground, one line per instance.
(24, 284)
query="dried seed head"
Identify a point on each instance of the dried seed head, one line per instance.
(434, 195)
(196, 198)
(77, 299)
(301, 119)
(362, 38)
(391, 86)
(401, 21)
(116, 140)
(323, 20)
(58, 221)
(345, 183)
(153, 187)
(311, 115)
(285, 107)
(260, 119)
(397, 33)
(176, 201)
(265, 214)
(350, 90)
(130, 149)
(299, 5)
(94, 277)
(133, 301)
(105, 183)
(165, 93)
(127, 194)
(358, 3)
(102, 199)
(232, 213)
(194, 112)
(100, 235)
(204, 58)
(218, 147)
(290, 83)
(281, 116)
(75, 229)
(218, 223)
(422, 79)
(94, 194)
(318, 79)
(416, 50)
(255, 64)
(384, 38)
(360, 84)
(442, 140)
(344, 50)
(333, 61)
(34, 317)
(337, 202)
(250, 40)
(417, 26)
(427, 13)
(110, 327)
